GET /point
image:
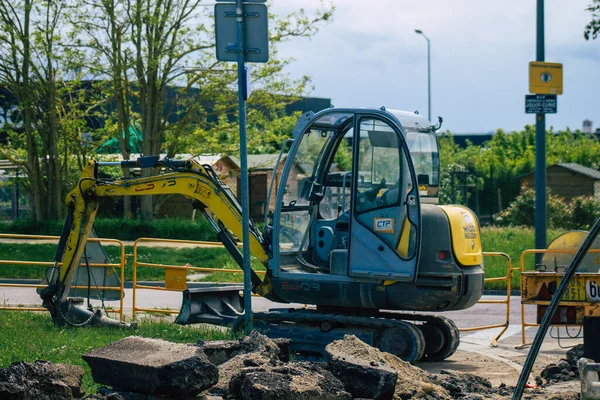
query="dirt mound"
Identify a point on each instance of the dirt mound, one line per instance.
(41, 380)
(412, 382)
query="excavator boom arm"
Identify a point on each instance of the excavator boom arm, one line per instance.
(195, 182)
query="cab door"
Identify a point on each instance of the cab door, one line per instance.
(385, 220)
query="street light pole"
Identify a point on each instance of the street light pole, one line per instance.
(420, 32)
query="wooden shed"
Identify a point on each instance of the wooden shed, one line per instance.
(568, 180)
(260, 170)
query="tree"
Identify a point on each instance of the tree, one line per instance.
(171, 45)
(140, 49)
(28, 62)
(593, 27)
(105, 39)
(148, 47)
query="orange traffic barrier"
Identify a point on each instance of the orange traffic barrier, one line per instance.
(507, 278)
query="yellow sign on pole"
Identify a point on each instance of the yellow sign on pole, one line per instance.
(545, 78)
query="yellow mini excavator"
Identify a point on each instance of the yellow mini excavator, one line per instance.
(354, 230)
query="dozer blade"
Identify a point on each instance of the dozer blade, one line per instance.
(212, 304)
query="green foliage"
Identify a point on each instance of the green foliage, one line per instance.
(583, 212)
(580, 213)
(67, 345)
(593, 27)
(148, 63)
(510, 240)
(521, 211)
(499, 162)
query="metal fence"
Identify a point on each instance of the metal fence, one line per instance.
(175, 275)
(507, 278)
(54, 239)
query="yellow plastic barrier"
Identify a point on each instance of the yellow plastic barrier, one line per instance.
(525, 324)
(174, 274)
(507, 278)
(120, 265)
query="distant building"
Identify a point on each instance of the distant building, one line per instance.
(587, 126)
(568, 180)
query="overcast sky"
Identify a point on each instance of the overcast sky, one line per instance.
(369, 55)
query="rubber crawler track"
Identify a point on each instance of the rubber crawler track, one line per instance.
(381, 320)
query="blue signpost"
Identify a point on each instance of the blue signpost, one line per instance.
(251, 44)
(540, 146)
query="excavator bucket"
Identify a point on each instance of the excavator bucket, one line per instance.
(211, 304)
(73, 312)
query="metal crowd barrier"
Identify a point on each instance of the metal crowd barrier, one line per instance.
(120, 265)
(525, 324)
(175, 275)
(507, 278)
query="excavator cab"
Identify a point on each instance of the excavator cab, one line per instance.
(347, 203)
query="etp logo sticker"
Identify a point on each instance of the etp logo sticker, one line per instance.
(383, 225)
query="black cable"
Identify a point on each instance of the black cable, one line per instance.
(100, 294)
(556, 298)
(89, 274)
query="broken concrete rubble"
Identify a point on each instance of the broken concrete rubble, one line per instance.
(219, 351)
(40, 380)
(230, 368)
(291, 381)
(152, 366)
(563, 370)
(460, 384)
(147, 369)
(575, 354)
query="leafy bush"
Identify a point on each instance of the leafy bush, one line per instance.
(583, 212)
(521, 212)
(580, 213)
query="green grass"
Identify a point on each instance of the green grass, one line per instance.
(196, 257)
(28, 336)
